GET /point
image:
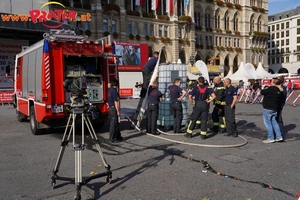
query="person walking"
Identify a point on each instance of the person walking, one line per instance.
(271, 102)
(290, 87)
(154, 97)
(201, 93)
(147, 72)
(114, 112)
(218, 115)
(176, 95)
(230, 99)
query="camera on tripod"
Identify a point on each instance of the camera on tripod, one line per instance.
(78, 97)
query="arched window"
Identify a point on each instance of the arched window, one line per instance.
(259, 24)
(217, 20)
(252, 23)
(197, 17)
(226, 21)
(235, 23)
(207, 20)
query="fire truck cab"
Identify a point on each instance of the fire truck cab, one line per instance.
(43, 69)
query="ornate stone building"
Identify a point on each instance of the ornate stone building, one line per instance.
(218, 32)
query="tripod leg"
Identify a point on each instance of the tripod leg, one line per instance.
(64, 143)
(96, 141)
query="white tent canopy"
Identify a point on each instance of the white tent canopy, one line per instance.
(229, 73)
(261, 73)
(241, 74)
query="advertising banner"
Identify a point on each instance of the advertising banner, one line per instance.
(6, 96)
(8, 50)
(126, 92)
(133, 56)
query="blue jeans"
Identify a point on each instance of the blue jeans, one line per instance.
(271, 124)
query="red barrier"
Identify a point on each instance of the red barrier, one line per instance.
(6, 96)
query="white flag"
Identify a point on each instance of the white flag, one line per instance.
(203, 69)
(154, 4)
(137, 2)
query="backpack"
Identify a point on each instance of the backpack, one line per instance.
(202, 91)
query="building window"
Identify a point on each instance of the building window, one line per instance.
(166, 31)
(298, 39)
(236, 1)
(220, 41)
(145, 29)
(277, 43)
(238, 42)
(273, 36)
(282, 25)
(129, 5)
(86, 25)
(273, 28)
(287, 59)
(282, 34)
(226, 21)
(273, 61)
(200, 39)
(206, 40)
(136, 28)
(129, 28)
(234, 42)
(105, 25)
(113, 26)
(287, 50)
(151, 30)
(160, 30)
(259, 25)
(210, 41)
(298, 30)
(282, 42)
(287, 25)
(298, 57)
(282, 59)
(251, 24)
(277, 26)
(229, 42)
(207, 20)
(287, 42)
(217, 20)
(179, 32)
(298, 48)
(259, 3)
(252, 2)
(235, 23)
(287, 33)
(277, 35)
(298, 21)
(225, 42)
(180, 7)
(197, 17)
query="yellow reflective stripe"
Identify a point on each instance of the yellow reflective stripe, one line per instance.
(223, 118)
(198, 122)
(188, 129)
(222, 126)
(223, 103)
(203, 132)
(220, 88)
(216, 123)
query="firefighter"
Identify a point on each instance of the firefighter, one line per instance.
(198, 122)
(218, 111)
(147, 72)
(176, 95)
(114, 113)
(200, 110)
(154, 97)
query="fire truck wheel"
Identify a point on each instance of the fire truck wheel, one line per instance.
(34, 123)
(21, 117)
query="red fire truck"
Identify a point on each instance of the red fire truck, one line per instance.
(42, 69)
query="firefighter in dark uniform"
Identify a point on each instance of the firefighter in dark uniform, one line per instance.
(198, 122)
(154, 97)
(200, 110)
(230, 98)
(147, 72)
(176, 95)
(114, 113)
(218, 115)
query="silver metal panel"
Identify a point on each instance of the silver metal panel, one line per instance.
(24, 76)
(38, 74)
(31, 72)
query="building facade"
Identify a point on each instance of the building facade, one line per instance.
(218, 32)
(284, 42)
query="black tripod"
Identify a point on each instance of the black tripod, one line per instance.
(78, 148)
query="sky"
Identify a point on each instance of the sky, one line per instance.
(276, 6)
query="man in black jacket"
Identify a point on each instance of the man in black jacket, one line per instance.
(271, 102)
